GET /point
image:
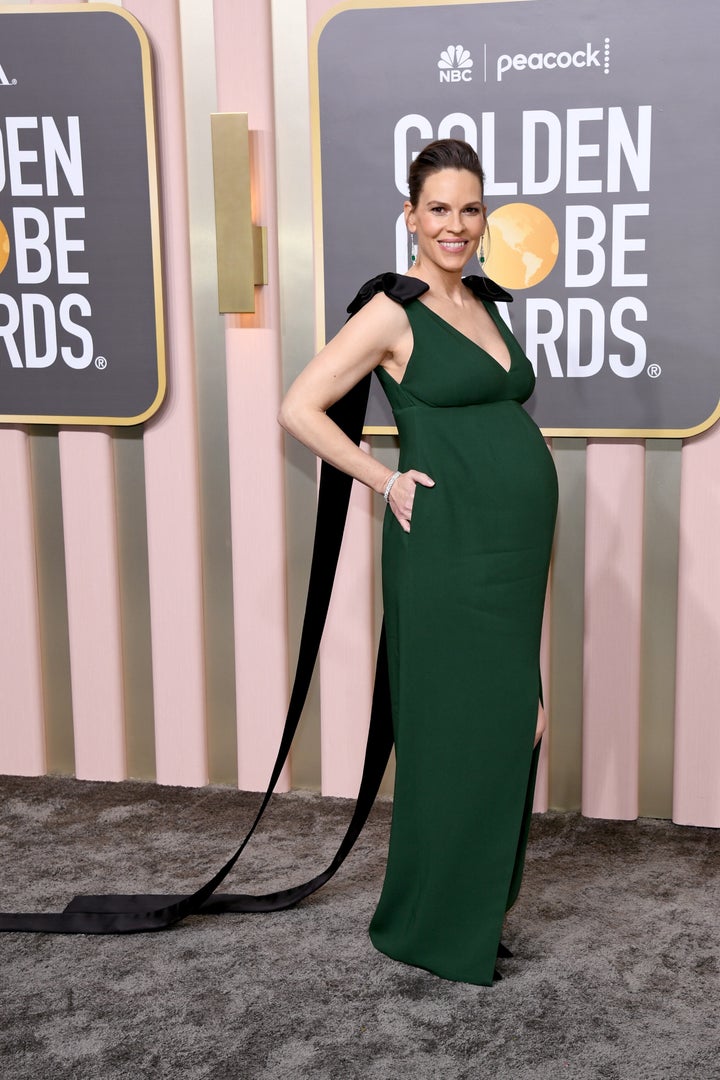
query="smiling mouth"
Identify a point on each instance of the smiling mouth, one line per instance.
(453, 245)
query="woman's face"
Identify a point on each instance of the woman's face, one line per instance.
(449, 219)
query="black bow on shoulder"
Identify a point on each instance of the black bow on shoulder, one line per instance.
(404, 289)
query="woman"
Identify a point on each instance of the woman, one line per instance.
(466, 549)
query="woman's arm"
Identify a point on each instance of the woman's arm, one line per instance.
(379, 331)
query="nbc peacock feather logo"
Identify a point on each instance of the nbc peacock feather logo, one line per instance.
(455, 64)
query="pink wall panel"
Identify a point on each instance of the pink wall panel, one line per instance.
(93, 589)
(171, 446)
(347, 657)
(696, 793)
(256, 486)
(542, 784)
(613, 610)
(243, 55)
(22, 737)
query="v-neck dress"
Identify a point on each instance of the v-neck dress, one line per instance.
(463, 595)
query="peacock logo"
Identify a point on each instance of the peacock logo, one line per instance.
(455, 64)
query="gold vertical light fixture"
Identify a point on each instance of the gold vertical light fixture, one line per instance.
(241, 245)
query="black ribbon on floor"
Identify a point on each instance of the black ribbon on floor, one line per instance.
(139, 913)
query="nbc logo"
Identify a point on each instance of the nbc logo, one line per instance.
(455, 64)
(4, 81)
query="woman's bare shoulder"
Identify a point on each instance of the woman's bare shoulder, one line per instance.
(379, 322)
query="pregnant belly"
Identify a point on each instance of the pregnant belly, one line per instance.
(493, 474)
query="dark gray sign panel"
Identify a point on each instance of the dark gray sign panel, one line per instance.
(81, 325)
(597, 127)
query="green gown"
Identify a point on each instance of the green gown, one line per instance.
(463, 594)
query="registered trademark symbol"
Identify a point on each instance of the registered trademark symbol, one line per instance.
(654, 370)
(100, 363)
(13, 82)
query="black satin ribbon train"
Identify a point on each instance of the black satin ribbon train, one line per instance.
(131, 914)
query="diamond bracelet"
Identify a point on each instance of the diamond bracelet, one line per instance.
(388, 486)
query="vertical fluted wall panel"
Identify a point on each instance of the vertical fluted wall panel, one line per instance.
(198, 61)
(347, 656)
(171, 447)
(697, 731)
(659, 645)
(22, 736)
(541, 801)
(243, 44)
(297, 330)
(93, 597)
(542, 785)
(256, 493)
(613, 622)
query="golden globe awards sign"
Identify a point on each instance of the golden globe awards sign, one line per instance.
(81, 330)
(597, 127)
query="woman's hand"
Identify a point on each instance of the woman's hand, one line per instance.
(402, 495)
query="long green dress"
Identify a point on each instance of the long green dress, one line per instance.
(463, 595)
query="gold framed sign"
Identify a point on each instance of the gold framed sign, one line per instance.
(601, 169)
(81, 303)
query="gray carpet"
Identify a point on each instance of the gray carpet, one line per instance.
(615, 977)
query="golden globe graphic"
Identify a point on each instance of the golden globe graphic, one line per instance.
(4, 247)
(523, 246)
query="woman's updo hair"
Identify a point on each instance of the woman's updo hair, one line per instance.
(443, 154)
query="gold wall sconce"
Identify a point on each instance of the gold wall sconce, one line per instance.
(241, 246)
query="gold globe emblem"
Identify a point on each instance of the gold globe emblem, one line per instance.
(4, 247)
(523, 246)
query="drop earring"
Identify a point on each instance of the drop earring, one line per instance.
(413, 249)
(481, 253)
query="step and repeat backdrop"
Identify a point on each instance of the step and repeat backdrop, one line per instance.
(152, 584)
(600, 169)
